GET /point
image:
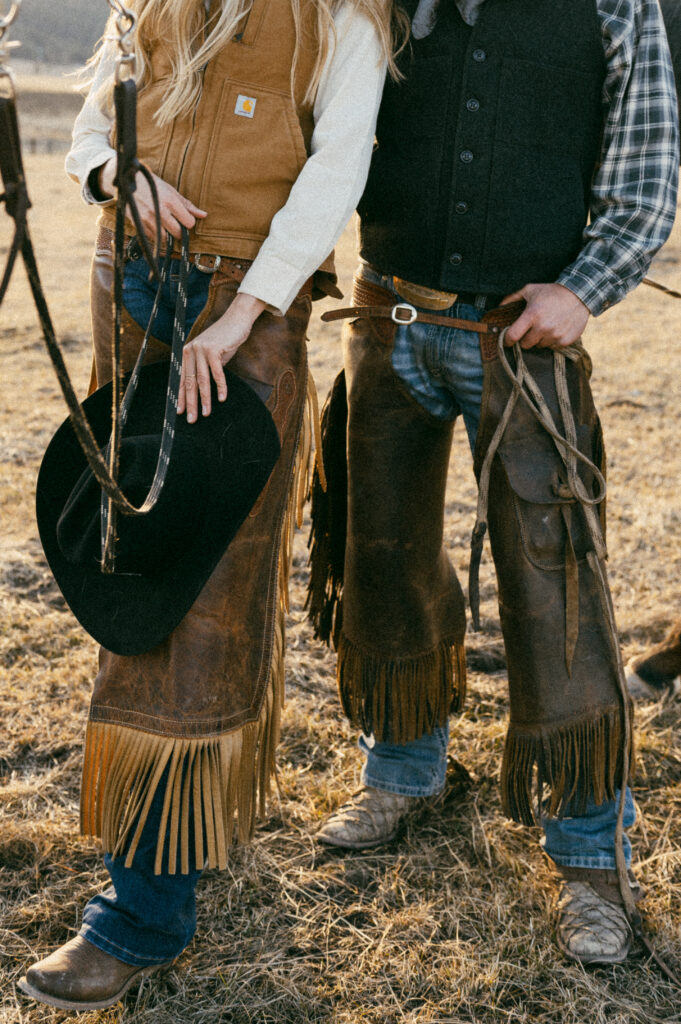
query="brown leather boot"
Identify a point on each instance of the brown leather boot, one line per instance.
(79, 976)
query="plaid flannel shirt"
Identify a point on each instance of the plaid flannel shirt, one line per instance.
(634, 187)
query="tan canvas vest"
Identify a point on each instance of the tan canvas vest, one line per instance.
(239, 152)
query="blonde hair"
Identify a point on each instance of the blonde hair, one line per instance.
(193, 41)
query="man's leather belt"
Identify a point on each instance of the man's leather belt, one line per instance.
(402, 313)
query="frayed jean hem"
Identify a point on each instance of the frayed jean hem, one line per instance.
(121, 952)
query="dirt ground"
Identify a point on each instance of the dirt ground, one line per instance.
(452, 921)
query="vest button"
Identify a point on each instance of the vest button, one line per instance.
(465, 156)
(455, 259)
(461, 207)
(479, 56)
(473, 105)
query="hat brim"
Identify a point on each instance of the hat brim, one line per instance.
(130, 614)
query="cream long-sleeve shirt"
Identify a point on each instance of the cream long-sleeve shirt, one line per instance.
(323, 197)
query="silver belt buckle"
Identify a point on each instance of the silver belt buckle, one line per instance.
(206, 270)
(409, 310)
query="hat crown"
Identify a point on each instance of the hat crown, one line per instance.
(147, 543)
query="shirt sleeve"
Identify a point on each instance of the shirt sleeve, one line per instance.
(326, 192)
(91, 146)
(634, 188)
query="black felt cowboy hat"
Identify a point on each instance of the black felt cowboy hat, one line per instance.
(218, 467)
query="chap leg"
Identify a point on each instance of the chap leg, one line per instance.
(566, 711)
(400, 654)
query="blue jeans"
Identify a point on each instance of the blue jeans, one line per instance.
(139, 292)
(143, 918)
(441, 367)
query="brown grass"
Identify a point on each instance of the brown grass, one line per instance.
(450, 923)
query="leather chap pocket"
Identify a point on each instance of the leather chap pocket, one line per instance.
(536, 478)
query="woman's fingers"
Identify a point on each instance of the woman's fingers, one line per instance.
(218, 374)
(175, 210)
(186, 401)
(203, 382)
(191, 207)
(198, 368)
(194, 384)
(205, 356)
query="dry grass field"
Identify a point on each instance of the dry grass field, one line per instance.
(452, 921)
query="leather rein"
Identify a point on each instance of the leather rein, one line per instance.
(104, 465)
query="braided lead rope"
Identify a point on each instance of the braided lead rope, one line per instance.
(108, 506)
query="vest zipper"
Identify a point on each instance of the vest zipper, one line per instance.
(191, 133)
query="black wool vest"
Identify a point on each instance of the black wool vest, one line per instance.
(481, 177)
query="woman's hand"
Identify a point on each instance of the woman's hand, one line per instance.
(205, 356)
(176, 211)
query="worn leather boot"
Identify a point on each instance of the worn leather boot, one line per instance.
(79, 976)
(369, 818)
(592, 926)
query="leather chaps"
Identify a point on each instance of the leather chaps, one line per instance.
(566, 726)
(199, 713)
(384, 590)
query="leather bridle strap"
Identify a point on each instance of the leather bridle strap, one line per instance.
(127, 168)
(17, 203)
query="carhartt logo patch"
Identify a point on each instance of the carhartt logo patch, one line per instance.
(245, 106)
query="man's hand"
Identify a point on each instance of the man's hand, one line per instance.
(176, 211)
(206, 355)
(553, 318)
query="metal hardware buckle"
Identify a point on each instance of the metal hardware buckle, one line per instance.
(206, 270)
(410, 311)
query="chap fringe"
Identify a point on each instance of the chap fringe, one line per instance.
(570, 761)
(400, 699)
(209, 782)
